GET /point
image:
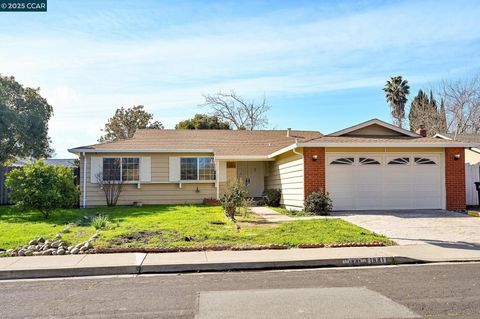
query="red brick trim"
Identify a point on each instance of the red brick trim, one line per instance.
(455, 178)
(313, 170)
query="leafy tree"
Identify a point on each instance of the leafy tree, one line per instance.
(24, 116)
(42, 187)
(203, 122)
(424, 111)
(237, 111)
(396, 92)
(126, 121)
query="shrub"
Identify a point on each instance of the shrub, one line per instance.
(234, 197)
(100, 221)
(272, 197)
(318, 203)
(42, 187)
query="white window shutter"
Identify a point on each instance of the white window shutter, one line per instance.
(174, 169)
(96, 167)
(145, 169)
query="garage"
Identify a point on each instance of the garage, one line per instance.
(365, 181)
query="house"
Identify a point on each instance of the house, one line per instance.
(372, 165)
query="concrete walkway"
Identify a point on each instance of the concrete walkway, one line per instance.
(272, 216)
(140, 263)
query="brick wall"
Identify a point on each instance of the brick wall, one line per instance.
(314, 171)
(455, 178)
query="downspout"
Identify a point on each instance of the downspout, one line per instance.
(294, 150)
(84, 180)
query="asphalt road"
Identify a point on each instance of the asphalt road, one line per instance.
(438, 291)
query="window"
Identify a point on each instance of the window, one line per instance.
(130, 168)
(424, 161)
(111, 169)
(188, 169)
(400, 161)
(206, 169)
(197, 168)
(343, 161)
(121, 169)
(368, 161)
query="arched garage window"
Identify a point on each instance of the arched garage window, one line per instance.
(343, 161)
(399, 161)
(424, 161)
(368, 161)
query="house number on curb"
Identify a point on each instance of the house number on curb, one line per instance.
(365, 261)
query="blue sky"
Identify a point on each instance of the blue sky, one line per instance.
(321, 64)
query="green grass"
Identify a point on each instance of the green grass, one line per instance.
(173, 226)
(292, 213)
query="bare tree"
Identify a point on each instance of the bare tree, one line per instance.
(111, 188)
(239, 112)
(462, 104)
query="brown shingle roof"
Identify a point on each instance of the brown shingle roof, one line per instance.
(222, 142)
(468, 138)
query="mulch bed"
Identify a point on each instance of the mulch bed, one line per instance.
(109, 250)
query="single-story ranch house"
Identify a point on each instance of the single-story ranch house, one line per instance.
(372, 165)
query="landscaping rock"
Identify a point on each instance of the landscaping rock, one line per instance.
(37, 253)
(75, 251)
(41, 240)
(33, 242)
(60, 252)
(79, 245)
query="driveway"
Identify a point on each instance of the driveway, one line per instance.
(420, 226)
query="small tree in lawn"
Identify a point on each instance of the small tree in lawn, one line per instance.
(111, 187)
(42, 187)
(234, 198)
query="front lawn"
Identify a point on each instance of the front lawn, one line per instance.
(173, 226)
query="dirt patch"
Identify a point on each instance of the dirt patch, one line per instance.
(143, 236)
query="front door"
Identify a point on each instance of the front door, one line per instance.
(252, 174)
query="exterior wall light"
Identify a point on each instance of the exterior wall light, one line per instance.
(314, 157)
(456, 157)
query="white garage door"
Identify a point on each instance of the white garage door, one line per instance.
(385, 181)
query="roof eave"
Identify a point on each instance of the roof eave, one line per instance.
(354, 144)
(145, 150)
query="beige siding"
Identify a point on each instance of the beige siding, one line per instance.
(158, 191)
(286, 173)
(374, 129)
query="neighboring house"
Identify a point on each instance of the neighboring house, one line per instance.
(20, 163)
(372, 165)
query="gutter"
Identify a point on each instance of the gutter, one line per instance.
(147, 150)
(84, 181)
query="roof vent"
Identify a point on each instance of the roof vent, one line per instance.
(289, 132)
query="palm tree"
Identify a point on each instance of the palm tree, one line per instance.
(396, 92)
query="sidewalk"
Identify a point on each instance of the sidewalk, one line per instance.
(140, 263)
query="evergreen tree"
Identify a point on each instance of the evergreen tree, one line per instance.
(442, 123)
(424, 111)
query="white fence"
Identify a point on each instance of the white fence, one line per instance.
(472, 175)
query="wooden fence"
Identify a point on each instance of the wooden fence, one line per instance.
(472, 175)
(3, 189)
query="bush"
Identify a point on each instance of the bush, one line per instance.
(42, 187)
(234, 197)
(318, 203)
(100, 221)
(272, 197)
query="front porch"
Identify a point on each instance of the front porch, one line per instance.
(251, 172)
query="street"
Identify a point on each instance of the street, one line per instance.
(435, 290)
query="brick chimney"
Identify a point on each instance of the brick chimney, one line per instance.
(289, 132)
(422, 131)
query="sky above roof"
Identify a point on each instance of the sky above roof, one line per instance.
(321, 64)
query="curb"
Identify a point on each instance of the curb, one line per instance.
(204, 267)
